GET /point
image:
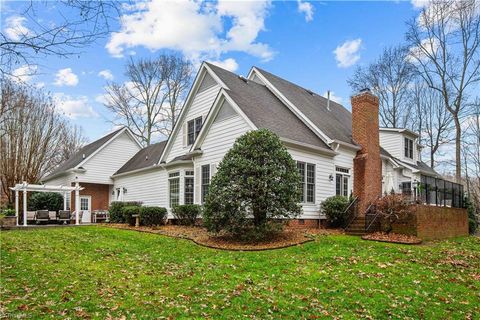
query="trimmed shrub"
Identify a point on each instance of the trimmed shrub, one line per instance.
(334, 208)
(472, 217)
(256, 186)
(152, 216)
(51, 201)
(8, 212)
(116, 212)
(128, 213)
(186, 214)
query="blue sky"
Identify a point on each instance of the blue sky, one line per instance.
(315, 44)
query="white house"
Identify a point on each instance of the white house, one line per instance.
(338, 152)
(92, 166)
(221, 106)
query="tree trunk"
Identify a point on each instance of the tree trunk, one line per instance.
(458, 149)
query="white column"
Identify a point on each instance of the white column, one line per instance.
(17, 214)
(64, 201)
(77, 202)
(25, 207)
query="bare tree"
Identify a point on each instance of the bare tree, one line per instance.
(74, 25)
(149, 102)
(73, 140)
(445, 42)
(435, 123)
(32, 135)
(389, 78)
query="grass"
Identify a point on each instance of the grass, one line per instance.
(95, 272)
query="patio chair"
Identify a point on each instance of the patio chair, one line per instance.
(31, 215)
(52, 215)
(42, 216)
(64, 216)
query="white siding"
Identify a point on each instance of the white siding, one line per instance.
(392, 142)
(345, 160)
(219, 139)
(62, 180)
(324, 188)
(200, 107)
(149, 187)
(107, 161)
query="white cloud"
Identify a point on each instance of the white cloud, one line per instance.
(348, 54)
(333, 97)
(74, 107)
(419, 4)
(15, 28)
(101, 98)
(66, 77)
(307, 9)
(229, 64)
(195, 28)
(24, 73)
(106, 74)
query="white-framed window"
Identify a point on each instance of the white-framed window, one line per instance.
(193, 129)
(205, 179)
(307, 172)
(84, 204)
(408, 148)
(342, 178)
(174, 188)
(188, 187)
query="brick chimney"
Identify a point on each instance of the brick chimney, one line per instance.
(367, 166)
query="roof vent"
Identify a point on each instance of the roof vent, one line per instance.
(243, 79)
(83, 156)
(328, 100)
(365, 90)
(146, 158)
(310, 92)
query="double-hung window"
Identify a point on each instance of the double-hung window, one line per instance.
(193, 129)
(408, 148)
(307, 173)
(174, 188)
(342, 178)
(189, 187)
(205, 181)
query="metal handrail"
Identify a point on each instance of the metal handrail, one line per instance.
(352, 215)
(374, 217)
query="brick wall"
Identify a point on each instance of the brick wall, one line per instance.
(98, 192)
(430, 223)
(367, 165)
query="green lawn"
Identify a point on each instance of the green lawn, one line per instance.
(95, 272)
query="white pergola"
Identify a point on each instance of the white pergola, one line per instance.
(25, 187)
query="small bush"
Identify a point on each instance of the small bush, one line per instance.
(115, 210)
(472, 217)
(187, 214)
(152, 216)
(51, 201)
(334, 208)
(8, 212)
(393, 208)
(128, 213)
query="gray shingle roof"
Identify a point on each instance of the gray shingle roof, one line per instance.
(144, 158)
(265, 110)
(182, 158)
(81, 155)
(421, 166)
(336, 123)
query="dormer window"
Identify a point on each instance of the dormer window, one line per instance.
(193, 126)
(408, 148)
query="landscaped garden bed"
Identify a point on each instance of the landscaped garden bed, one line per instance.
(392, 237)
(199, 235)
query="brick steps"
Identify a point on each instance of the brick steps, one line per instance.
(356, 227)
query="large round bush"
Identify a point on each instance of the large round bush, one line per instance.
(256, 187)
(51, 201)
(334, 209)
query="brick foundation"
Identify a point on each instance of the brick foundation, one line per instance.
(430, 223)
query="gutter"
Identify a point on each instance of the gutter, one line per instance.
(309, 146)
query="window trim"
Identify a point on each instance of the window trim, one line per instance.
(305, 184)
(172, 176)
(204, 186)
(190, 193)
(345, 177)
(408, 148)
(196, 125)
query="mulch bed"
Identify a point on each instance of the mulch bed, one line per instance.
(392, 237)
(289, 237)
